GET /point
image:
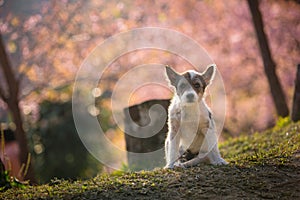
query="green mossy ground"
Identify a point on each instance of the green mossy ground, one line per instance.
(263, 165)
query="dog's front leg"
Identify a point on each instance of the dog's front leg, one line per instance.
(172, 149)
(215, 158)
(214, 155)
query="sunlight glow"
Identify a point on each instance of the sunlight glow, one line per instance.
(96, 92)
(93, 110)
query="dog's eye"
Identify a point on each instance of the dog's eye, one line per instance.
(182, 86)
(197, 85)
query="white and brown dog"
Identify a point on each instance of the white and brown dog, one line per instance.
(192, 131)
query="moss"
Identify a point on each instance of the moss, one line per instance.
(273, 147)
(262, 165)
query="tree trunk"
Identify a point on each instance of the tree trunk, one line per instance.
(296, 99)
(145, 132)
(2, 168)
(12, 100)
(3, 180)
(269, 65)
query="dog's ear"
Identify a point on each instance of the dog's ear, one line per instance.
(209, 73)
(172, 75)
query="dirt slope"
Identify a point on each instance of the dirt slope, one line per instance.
(262, 166)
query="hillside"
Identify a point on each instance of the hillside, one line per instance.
(263, 165)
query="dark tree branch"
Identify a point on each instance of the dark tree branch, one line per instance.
(269, 65)
(296, 99)
(2, 95)
(12, 83)
(13, 104)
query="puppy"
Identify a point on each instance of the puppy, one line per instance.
(192, 131)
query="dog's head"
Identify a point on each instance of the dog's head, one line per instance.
(190, 85)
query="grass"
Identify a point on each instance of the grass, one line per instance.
(263, 165)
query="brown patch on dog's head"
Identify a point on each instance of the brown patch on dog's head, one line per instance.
(196, 81)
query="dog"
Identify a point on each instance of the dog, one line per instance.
(192, 132)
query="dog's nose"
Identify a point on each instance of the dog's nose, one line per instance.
(190, 97)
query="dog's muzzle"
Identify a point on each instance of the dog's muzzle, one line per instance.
(190, 97)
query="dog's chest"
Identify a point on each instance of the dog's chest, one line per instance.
(194, 118)
(194, 123)
(192, 134)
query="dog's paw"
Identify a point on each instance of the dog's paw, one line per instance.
(169, 167)
(180, 165)
(220, 161)
(223, 162)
